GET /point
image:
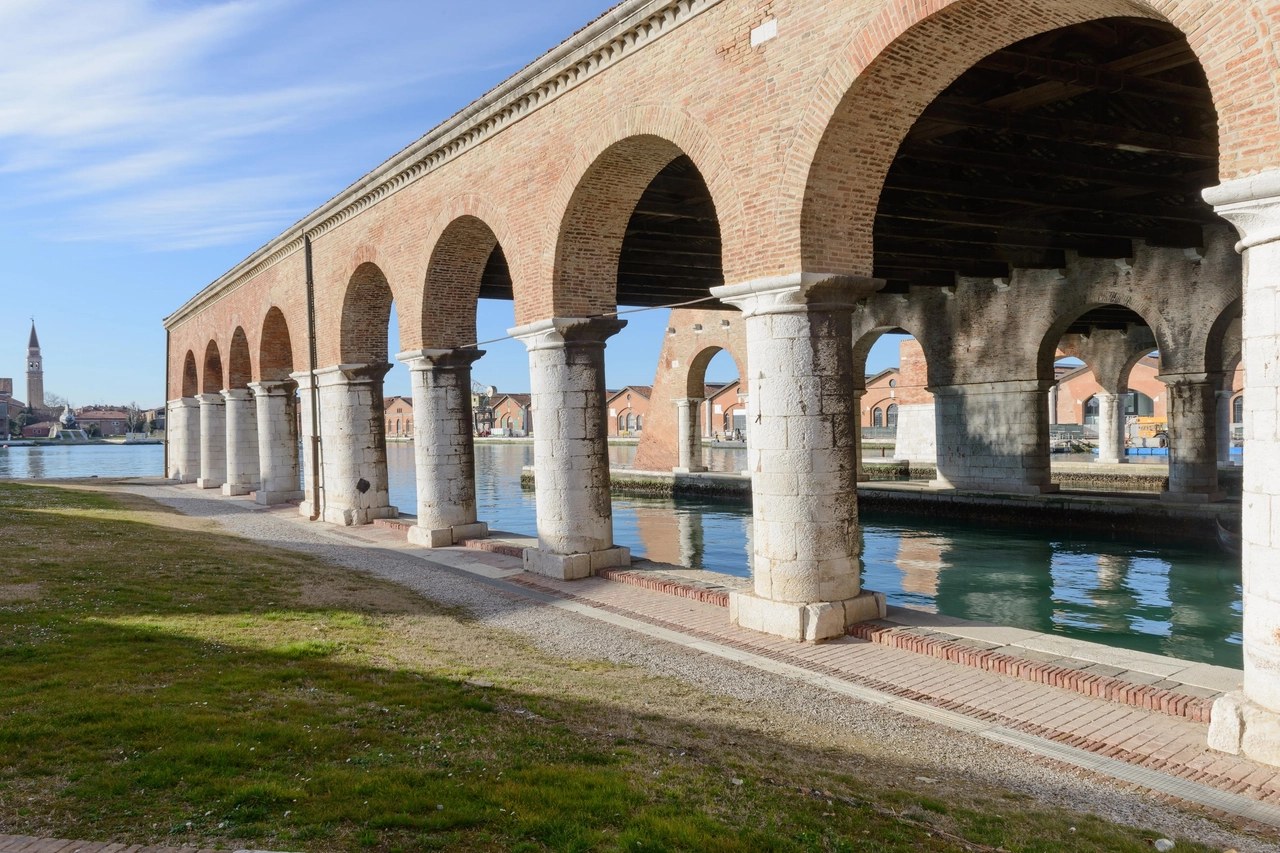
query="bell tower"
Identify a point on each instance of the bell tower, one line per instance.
(35, 371)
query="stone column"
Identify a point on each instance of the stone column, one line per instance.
(242, 443)
(689, 411)
(443, 448)
(1193, 443)
(802, 451)
(1224, 426)
(1111, 428)
(917, 438)
(570, 447)
(277, 415)
(994, 437)
(213, 441)
(1053, 405)
(182, 433)
(1248, 721)
(856, 396)
(353, 448)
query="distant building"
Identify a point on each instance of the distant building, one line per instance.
(110, 420)
(399, 417)
(627, 409)
(725, 411)
(512, 413)
(9, 407)
(44, 429)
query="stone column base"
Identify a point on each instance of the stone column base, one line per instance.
(184, 479)
(572, 567)
(1192, 497)
(796, 620)
(234, 491)
(1242, 727)
(352, 517)
(445, 536)
(205, 483)
(265, 498)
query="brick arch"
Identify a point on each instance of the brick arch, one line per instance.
(904, 57)
(275, 348)
(190, 376)
(211, 377)
(1223, 349)
(239, 361)
(366, 313)
(461, 240)
(696, 377)
(597, 193)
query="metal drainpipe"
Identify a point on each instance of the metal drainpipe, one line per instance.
(315, 391)
(165, 399)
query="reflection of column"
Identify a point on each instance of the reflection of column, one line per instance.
(277, 413)
(243, 474)
(1110, 431)
(1248, 721)
(353, 451)
(690, 434)
(444, 451)
(802, 452)
(1193, 445)
(570, 447)
(994, 437)
(1224, 426)
(213, 441)
(691, 538)
(182, 432)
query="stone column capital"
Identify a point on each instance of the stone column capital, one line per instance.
(184, 403)
(798, 292)
(686, 402)
(1188, 378)
(214, 399)
(440, 359)
(1252, 205)
(274, 387)
(343, 374)
(562, 332)
(230, 394)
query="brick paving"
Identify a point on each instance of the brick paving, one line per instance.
(29, 844)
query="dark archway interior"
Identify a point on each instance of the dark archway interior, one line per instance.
(671, 251)
(1084, 138)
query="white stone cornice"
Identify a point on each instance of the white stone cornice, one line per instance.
(1252, 205)
(612, 37)
(797, 292)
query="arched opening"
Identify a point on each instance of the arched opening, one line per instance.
(239, 362)
(877, 417)
(1106, 400)
(366, 316)
(275, 353)
(190, 376)
(211, 378)
(897, 410)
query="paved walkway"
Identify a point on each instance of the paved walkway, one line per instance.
(28, 844)
(1173, 747)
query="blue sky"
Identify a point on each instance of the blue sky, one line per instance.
(147, 147)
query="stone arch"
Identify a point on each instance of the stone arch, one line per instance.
(892, 69)
(452, 279)
(239, 361)
(1050, 341)
(275, 351)
(598, 192)
(190, 376)
(211, 377)
(1223, 344)
(366, 312)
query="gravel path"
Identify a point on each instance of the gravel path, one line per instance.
(943, 751)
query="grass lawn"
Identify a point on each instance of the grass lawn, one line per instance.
(165, 683)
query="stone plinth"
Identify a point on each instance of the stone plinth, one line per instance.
(917, 436)
(570, 444)
(243, 474)
(213, 441)
(444, 451)
(277, 418)
(1193, 441)
(994, 437)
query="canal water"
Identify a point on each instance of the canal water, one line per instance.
(1172, 600)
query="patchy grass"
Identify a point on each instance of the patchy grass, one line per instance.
(164, 683)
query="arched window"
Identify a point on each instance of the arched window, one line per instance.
(640, 422)
(1091, 411)
(1237, 410)
(877, 417)
(631, 422)
(408, 425)
(892, 413)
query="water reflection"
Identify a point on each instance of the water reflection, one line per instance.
(94, 460)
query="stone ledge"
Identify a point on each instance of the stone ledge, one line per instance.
(1078, 681)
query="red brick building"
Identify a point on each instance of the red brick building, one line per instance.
(512, 415)
(627, 409)
(399, 417)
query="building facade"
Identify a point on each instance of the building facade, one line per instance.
(627, 410)
(35, 371)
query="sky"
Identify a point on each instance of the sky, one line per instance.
(147, 147)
